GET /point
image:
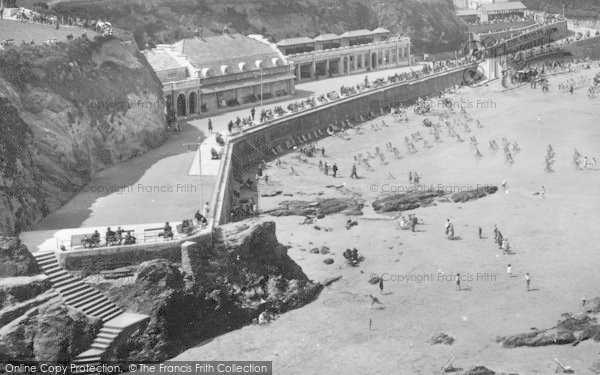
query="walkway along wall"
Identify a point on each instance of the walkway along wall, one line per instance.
(251, 147)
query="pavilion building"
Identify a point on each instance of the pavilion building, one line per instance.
(203, 75)
(351, 52)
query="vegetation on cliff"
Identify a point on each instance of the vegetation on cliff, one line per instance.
(66, 112)
(431, 24)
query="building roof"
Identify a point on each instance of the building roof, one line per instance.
(294, 41)
(224, 54)
(325, 37)
(513, 5)
(356, 33)
(467, 12)
(380, 30)
(160, 59)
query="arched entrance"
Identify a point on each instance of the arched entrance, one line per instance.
(374, 60)
(181, 105)
(192, 101)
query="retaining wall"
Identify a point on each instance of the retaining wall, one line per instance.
(107, 258)
(251, 147)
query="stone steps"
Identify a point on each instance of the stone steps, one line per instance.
(84, 298)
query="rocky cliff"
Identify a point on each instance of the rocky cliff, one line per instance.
(229, 286)
(66, 112)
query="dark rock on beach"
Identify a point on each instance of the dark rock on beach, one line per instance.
(318, 208)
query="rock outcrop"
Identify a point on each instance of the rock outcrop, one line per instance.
(321, 207)
(66, 112)
(423, 198)
(51, 332)
(569, 330)
(15, 259)
(230, 285)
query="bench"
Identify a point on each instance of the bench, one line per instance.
(76, 240)
(152, 233)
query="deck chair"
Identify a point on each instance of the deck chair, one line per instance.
(447, 367)
(562, 368)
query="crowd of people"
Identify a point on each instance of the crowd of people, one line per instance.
(267, 115)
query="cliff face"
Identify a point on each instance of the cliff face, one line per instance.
(431, 24)
(229, 286)
(66, 112)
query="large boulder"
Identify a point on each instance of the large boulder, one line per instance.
(15, 259)
(18, 289)
(159, 272)
(52, 332)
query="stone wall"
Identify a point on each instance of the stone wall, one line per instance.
(106, 258)
(248, 149)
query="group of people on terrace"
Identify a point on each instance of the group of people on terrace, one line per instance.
(113, 238)
(266, 115)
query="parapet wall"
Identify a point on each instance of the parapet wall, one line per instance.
(253, 146)
(111, 257)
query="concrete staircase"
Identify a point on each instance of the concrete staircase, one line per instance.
(82, 297)
(74, 292)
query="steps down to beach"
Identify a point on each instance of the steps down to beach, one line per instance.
(82, 297)
(74, 292)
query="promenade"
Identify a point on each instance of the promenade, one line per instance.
(161, 185)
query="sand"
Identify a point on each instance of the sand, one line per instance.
(553, 238)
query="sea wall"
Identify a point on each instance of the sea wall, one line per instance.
(251, 147)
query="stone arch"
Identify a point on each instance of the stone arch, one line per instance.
(258, 63)
(181, 105)
(242, 66)
(193, 98)
(224, 69)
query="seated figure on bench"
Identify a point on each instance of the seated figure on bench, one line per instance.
(167, 231)
(129, 239)
(201, 219)
(119, 235)
(92, 241)
(110, 237)
(214, 154)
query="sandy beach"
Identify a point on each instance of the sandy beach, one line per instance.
(552, 238)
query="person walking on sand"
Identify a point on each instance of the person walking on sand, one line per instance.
(528, 281)
(375, 300)
(480, 232)
(447, 227)
(457, 281)
(381, 285)
(509, 270)
(495, 233)
(326, 169)
(410, 178)
(353, 174)
(334, 169)
(210, 127)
